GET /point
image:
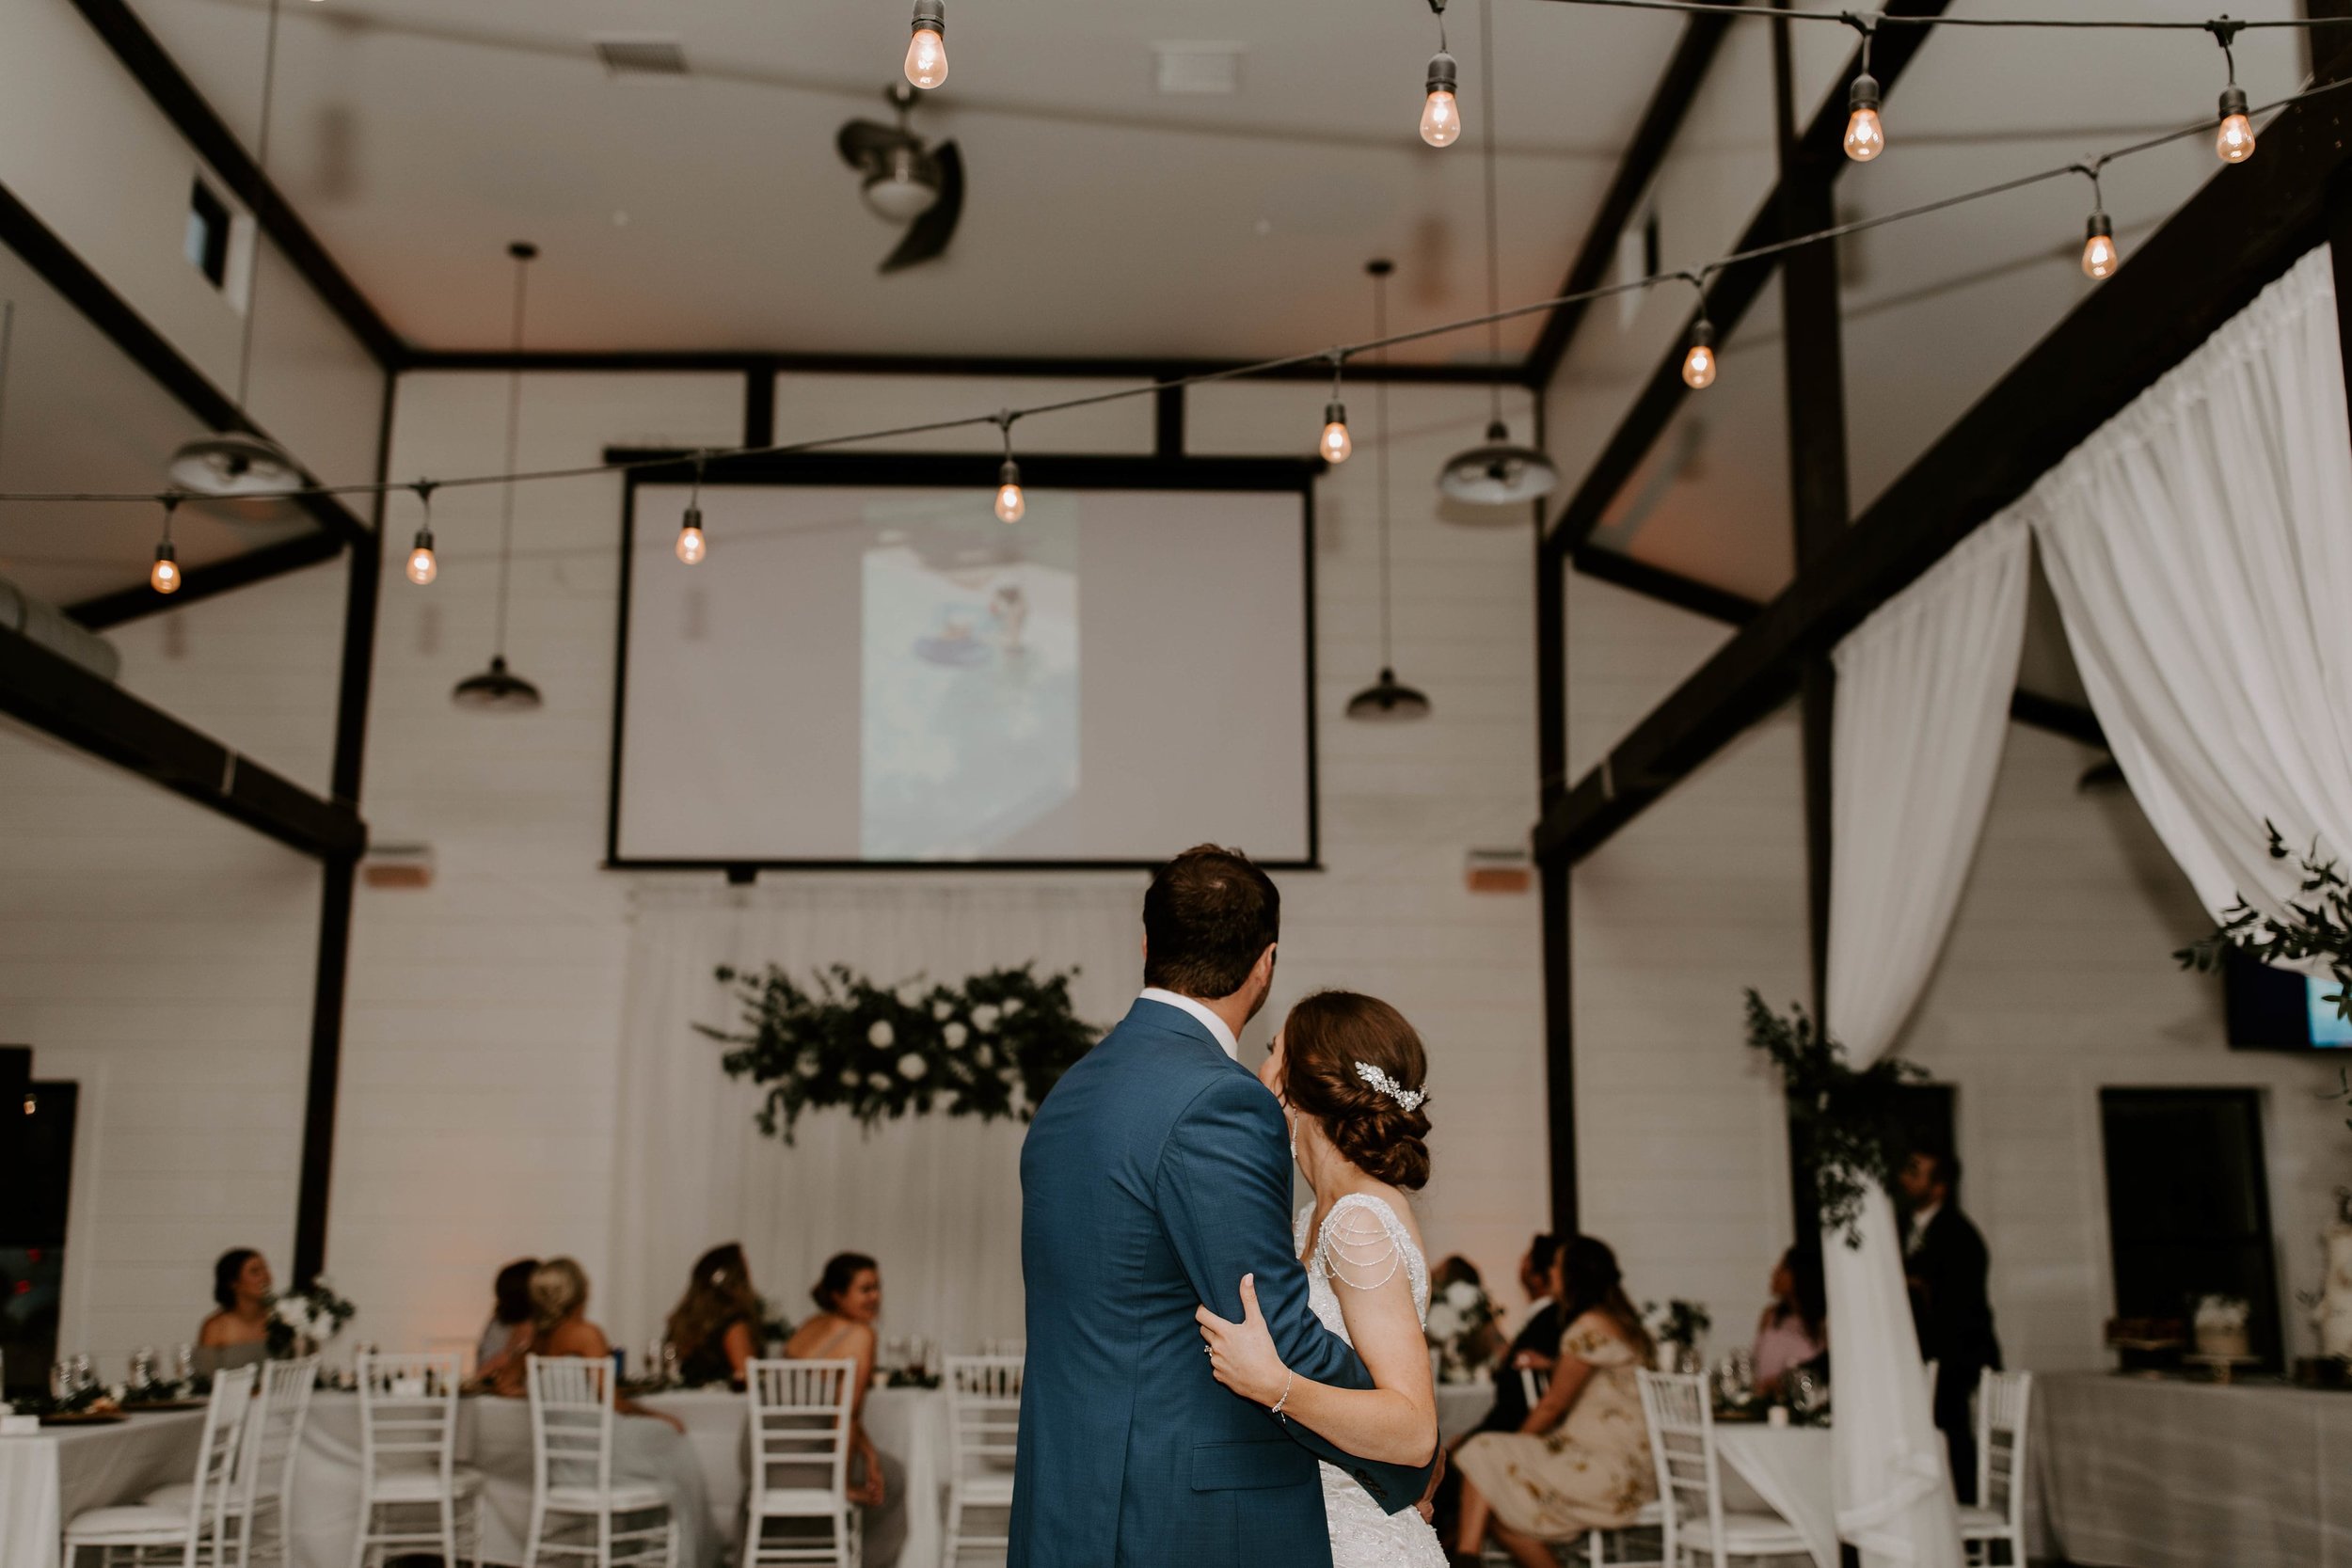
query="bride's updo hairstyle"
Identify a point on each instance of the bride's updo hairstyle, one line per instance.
(1323, 1039)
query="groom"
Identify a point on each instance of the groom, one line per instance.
(1156, 1175)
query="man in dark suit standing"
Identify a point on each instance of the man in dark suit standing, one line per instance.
(1945, 1260)
(1156, 1175)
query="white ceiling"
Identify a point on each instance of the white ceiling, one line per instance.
(1102, 218)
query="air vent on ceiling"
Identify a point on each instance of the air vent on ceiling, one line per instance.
(641, 55)
(1212, 70)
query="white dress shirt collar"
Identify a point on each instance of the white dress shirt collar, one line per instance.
(1920, 1220)
(1217, 1031)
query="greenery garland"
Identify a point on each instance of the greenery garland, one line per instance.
(992, 1047)
(1848, 1125)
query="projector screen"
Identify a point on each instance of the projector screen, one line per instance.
(870, 674)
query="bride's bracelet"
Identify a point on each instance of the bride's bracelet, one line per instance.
(1288, 1377)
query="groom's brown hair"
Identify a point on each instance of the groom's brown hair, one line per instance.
(1206, 917)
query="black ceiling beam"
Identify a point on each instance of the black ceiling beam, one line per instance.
(202, 582)
(2245, 227)
(1114, 369)
(1677, 89)
(54, 694)
(194, 120)
(1657, 582)
(88, 292)
(1815, 162)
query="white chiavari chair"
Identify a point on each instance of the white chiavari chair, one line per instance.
(571, 1474)
(1999, 1517)
(797, 1508)
(204, 1533)
(1691, 1481)
(263, 1473)
(413, 1493)
(984, 1421)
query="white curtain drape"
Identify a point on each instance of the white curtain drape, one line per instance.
(1922, 711)
(2200, 546)
(935, 1199)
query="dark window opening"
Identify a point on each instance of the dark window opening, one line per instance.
(208, 235)
(2188, 1207)
(36, 1176)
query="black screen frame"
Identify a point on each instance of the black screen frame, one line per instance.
(976, 472)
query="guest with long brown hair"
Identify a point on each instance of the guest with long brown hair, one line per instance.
(849, 1300)
(715, 1325)
(1581, 1461)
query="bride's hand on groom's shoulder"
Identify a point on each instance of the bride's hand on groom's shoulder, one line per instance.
(1242, 1354)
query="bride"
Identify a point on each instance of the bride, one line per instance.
(1348, 1070)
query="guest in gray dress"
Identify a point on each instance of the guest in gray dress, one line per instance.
(238, 1334)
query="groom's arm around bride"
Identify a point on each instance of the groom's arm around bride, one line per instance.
(1153, 1177)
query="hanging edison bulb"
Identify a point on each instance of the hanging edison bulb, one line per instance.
(422, 567)
(2100, 257)
(1866, 137)
(692, 544)
(1441, 111)
(2234, 142)
(1335, 445)
(926, 51)
(1011, 502)
(164, 576)
(1698, 366)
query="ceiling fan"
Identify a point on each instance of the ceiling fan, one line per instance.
(906, 181)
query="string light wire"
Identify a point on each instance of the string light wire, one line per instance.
(1256, 368)
(1896, 19)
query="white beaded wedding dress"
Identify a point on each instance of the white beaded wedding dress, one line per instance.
(1362, 1245)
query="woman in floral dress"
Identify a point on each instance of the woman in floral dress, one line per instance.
(1582, 1460)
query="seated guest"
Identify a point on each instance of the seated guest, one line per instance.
(507, 1336)
(1580, 1460)
(715, 1328)
(1794, 1330)
(559, 1327)
(848, 1298)
(652, 1453)
(238, 1334)
(1532, 1349)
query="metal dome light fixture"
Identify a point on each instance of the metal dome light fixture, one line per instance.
(1387, 700)
(499, 689)
(1497, 471)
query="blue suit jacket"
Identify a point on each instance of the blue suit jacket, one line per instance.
(1155, 1175)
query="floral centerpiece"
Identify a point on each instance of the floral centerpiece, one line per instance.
(990, 1047)
(302, 1320)
(1677, 1326)
(2221, 1328)
(1462, 1331)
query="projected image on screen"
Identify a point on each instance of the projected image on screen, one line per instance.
(970, 659)
(888, 674)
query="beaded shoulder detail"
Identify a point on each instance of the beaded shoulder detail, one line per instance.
(1363, 1244)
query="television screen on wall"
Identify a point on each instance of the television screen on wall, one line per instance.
(885, 674)
(2279, 1009)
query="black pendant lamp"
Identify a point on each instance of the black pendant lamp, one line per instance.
(499, 689)
(1497, 471)
(1387, 700)
(232, 463)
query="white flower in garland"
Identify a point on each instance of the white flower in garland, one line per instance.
(911, 1067)
(1013, 1006)
(881, 1037)
(942, 1011)
(910, 996)
(984, 1017)
(849, 1078)
(955, 1035)
(984, 1058)
(877, 1080)
(806, 1066)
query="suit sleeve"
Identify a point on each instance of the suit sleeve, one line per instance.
(1223, 1193)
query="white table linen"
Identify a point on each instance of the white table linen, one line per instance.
(494, 1435)
(1791, 1471)
(2170, 1474)
(48, 1478)
(1462, 1405)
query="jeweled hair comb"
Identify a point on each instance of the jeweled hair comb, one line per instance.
(1409, 1098)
